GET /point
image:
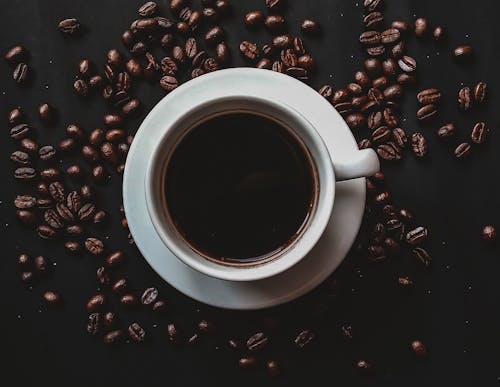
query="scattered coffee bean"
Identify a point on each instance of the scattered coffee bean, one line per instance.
(421, 27)
(389, 152)
(149, 296)
(479, 133)
(439, 34)
(25, 174)
(115, 259)
(113, 337)
(429, 96)
(52, 298)
(419, 145)
(364, 366)
(94, 324)
(94, 246)
(249, 50)
(407, 64)
(480, 92)
(304, 338)
(27, 217)
(257, 342)
(21, 73)
(16, 54)
(416, 236)
(159, 306)
(465, 98)
(136, 333)
(96, 303)
(129, 300)
(489, 233)
(120, 286)
(247, 362)
(463, 52)
(405, 282)
(422, 255)
(419, 349)
(20, 158)
(173, 333)
(312, 27)
(275, 23)
(20, 131)
(427, 112)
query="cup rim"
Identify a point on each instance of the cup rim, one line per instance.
(317, 223)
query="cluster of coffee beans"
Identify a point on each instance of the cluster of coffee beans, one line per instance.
(285, 54)
(18, 56)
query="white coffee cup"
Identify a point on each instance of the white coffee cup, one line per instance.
(360, 164)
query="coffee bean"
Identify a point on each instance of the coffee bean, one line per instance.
(340, 95)
(382, 198)
(75, 132)
(86, 212)
(429, 96)
(376, 51)
(120, 286)
(168, 83)
(381, 135)
(480, 92)
(375, 120)
(50, 174)
(369, 38)
(129, 300)
(421, 27)
(407, 64)
(29, 145)
(90, 154)
(75, 231)
(24, 202)
(74, 171)
(223, 6)
(364, 144)
(73, 247)
(16, 54)
(249, 50)
(15, 116)
(21, 73)
(247, 362)
(391, 246)
(53, 219)
(159, 306)
(85, 67)
(364, 366)
(74, 203)
(94, 246)
(113, 337)
(178, 55)
(362, 79)
(419, 349)
(94, 324)
(416, 236)
(96, 137)
(205, 327)
(393, 92)
(96, 303)
(20, 158)
(273, 368)
(463, 150)
(95, 82)
(254, 18)
(275, 23)
(115, 259)
(282, 41)
(67, 145)
(439, 34)
(372, 5)
(326, 92)
(400, 138)
(69, 26)
(257, 342)
(376, 253)
(489, 233)
(373, 67)
(123, 81)
(360, 101)
(109, 320)
(20, 131)
(52, 298)
(463, 52)
(390, 68)
(405, 282)
(99, 174)
(389, 152)
(304, 338)
(148, 9)
(427, 112)
(131, 107)
(390, 36)
(27, 217)
(356, 121)
(373, 20)
(87, 192)
(136, 333)
(210, 15)
(465, 98)
(81, 88)
(419, 144)
(479, 133)
(274, 5)
(173, 333)
(149, 296)
(422, 255)
(25, 174)
(42, 265)
(214, 35)
(102, 276)
(44, 203)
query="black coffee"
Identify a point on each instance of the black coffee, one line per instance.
(239, 187)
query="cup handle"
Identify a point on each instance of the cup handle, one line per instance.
(362, 163)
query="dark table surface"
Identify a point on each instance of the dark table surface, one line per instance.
(454, 306)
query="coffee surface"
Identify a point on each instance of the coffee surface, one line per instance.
(239, 187)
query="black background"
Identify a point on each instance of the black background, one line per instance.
(454, 306)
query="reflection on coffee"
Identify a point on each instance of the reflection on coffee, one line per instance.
(239, 187)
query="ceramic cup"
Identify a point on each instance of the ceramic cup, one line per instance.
(360, 164)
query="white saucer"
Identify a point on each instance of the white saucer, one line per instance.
(309, 272)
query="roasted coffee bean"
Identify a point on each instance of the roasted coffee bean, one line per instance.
(223, 6)
(400, 138)
(288, 58)
(247, 362)
(278, 66)
(15, 116)
(67, 145)
(27, 217)
(86, 212)
(164, 23)
(194, 20)
(210, 15)
(378, 233)
(390, 36)
(372, 5)
(370, 38)
(407, 64)
(87, 192)
(274, 5)
(168, 83)
(376, 51)
(94, 324)
(169, 66)
(354, 89)
(131, 107)
(21, 73)
(362, 79)
(416, 236)
(173, 333)
(42, 265)
(401, 25)
(298, 46)
(419, 349)
(398, 50)
(27, 277)
(304, 338)
(463, 52)
(205, 326)
(393, 92)
(44, 203)
(275, 23)
(52, 298)
(53, 219)
(390, 67)
(73, 247)
(178, 55)
(191, 48)
(94, 246)
(268, 50)
(405, 282)
(222, 53)
(25, 174)
(96, 82)
(115, 259)
(100, 218)
(64, 212)
(359, 101)
(381, 135)
(20, 158)
(373, 67)
(375, 120)
(136, 333)
(356, 121)
(85, 67)
(149, 296)
(364, 366)
(75, 132)
(81, 88)
(421, 27)
(109, 320)
(376, 253)
(159, 306)
(439, 34)
(128, 300)
(465, 98)
(479, 133)
(24, 202)
(75, 231)
(282, 41)
(257, 342)
(405, 79)
(123, 81)
(249, 50)
(340, 95)
(210, 65)
(148, 9)
(114, 135)
(69, 26)
(214, 35)
(429, 96)
(419, 144)
(90, 154)
(50, 174)
(422, 255)
(16, 54)
(382, 198)
(373, 20)
(489, 233)
(145, 25)
(102, 276)
(427, 112)
(344, 108)
(463, 150)
(389, 151)
(480, 92)
(326, 92)
(391, 246)
(138, 49)
(108, 153)
(96, 303)
(120, 286)
(29, 145)
(20, 131)
(113, 337)
(74, 171)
